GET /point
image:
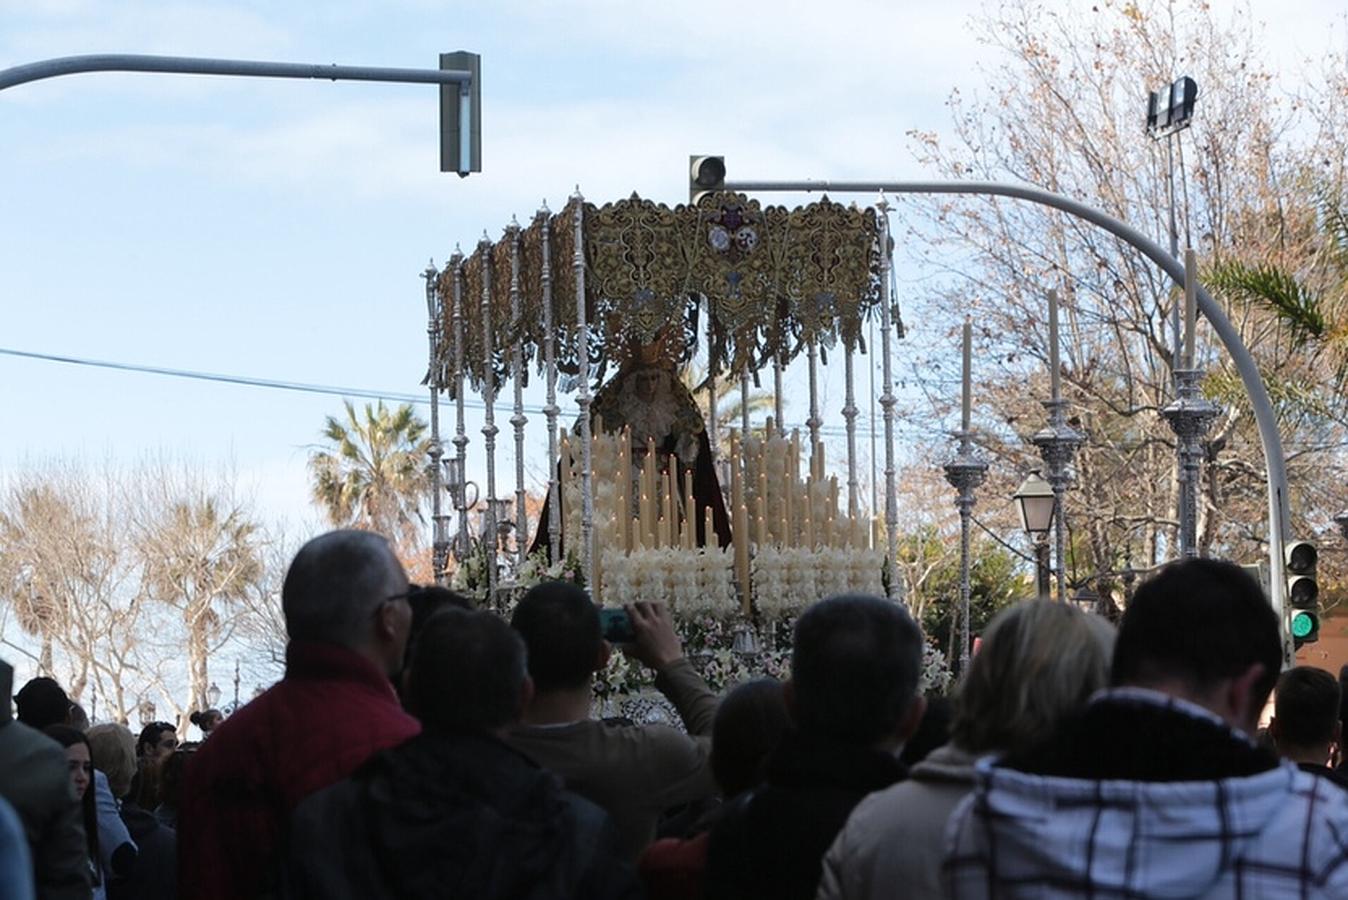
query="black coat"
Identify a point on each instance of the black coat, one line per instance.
(443, 816)
(771, 843)
(154, 873)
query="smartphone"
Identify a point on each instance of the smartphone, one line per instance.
(616, 626)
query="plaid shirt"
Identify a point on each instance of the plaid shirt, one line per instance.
(1279, 833)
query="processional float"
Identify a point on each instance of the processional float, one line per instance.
(611, 302)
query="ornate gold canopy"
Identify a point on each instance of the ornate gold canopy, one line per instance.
(772, 279)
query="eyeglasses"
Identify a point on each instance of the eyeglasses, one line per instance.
(412, 592)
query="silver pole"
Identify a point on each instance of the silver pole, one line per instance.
(435, 379)
(489, 429)
(778, 402)
(744, 402)
(550, 410)
(875, 480)
(1058, 443)
(887, 401)
(583, 401)
(1275, 462)
(814, 421)
(965, 473)
(1189, 416)
(849, 412)
(712, 440)
(465, 537)
(518, 420)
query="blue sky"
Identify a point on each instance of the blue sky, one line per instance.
(277, 228)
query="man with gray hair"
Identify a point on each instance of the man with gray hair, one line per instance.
(348, 618)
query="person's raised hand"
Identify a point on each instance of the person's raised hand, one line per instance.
(657, 644)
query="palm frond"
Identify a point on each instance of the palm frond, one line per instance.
(1276, 290)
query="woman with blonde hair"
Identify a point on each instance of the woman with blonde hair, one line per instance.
(1040, 662)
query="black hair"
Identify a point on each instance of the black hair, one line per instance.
(426, 600)
(749, 723)
(1198, 620)
(468, 673)
(42, 702)
(1306, 706)
(560, 626)
(202, 716)
(69, 737)
(150, 735)
(855, 664)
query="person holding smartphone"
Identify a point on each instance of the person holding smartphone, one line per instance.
(634, 772)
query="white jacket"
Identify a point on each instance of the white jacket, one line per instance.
(1278, 833)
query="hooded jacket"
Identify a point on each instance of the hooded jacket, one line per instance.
(453, 816)
(1148, 796)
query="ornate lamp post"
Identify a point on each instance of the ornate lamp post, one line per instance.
(212, 696)
(435, 380)
(146, 710)
(1037, 502)
(1057, 443)
(965, 473)
(1189, 416)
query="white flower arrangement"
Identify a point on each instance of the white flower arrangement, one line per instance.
(936, 675)
(688, 583)
(786, 581)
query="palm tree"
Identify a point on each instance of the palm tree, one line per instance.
(1311, 304)
(200, 556)
(729, 402)
(373, 473)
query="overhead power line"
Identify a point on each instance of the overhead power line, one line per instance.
(296, 386)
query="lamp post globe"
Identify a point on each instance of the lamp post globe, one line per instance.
(213, 695)
(1035, 501)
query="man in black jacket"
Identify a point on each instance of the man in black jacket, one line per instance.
(855, 667)
(455, 812)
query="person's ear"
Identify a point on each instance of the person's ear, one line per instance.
(605, 652)
(1241, 702)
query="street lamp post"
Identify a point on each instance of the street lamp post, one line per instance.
(965, 473)
(212, 695)
(435, 380)
(1037, 502)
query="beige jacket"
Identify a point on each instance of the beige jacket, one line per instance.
(893, 843)
(635, 772)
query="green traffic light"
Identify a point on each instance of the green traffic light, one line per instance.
(1303, 624)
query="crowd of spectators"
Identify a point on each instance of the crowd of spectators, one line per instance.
(419, 748)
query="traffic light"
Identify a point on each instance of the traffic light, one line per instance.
(706, 174)
(1303, 593)
(461, 116)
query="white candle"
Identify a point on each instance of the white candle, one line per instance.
(968, 341)
(1190, 305)
(1053, 344)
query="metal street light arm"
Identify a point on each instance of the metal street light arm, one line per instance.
(191, 65)
(1274, 460)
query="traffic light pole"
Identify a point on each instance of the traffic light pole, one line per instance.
(192, 65)
(1275, 464)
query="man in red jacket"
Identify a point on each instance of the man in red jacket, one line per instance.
(348, 618)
